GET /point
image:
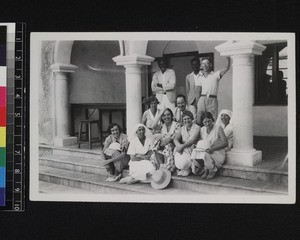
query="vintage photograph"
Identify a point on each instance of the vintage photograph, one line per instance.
(163, 117)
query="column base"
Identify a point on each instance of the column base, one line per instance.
(244, 158)
(65, 141)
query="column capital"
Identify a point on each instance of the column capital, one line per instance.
(63, 68)
(133, 59)
(231, 48)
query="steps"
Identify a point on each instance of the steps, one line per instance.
(82, 169)
(254, 174)
(97, 183)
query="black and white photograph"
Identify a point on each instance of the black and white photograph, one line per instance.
(163, 117)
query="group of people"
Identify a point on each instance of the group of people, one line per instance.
(177, 134)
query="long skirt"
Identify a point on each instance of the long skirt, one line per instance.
(213, 161)
(139, 169)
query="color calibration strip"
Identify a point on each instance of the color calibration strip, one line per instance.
(3, 33)
(14, 112)
(3, 83)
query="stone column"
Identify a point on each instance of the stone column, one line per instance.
(133, 64)
(61, 104)
(242, 54)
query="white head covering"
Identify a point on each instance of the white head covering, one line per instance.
(219, 121)
(133, 134)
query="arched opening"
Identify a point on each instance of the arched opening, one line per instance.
(97, 81)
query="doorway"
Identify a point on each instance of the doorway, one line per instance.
(181, 64)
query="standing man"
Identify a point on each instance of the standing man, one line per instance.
(163, 85)
(208, 84)
(181, 106)
(190, 88)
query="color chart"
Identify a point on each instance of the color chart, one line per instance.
(12, 128)
(3, 84)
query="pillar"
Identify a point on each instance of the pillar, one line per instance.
(61, 104)
(242, 54)
(133, 64)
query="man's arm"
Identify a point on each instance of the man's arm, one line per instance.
(227, 67)
(154, 85)
(187, 86)
(198, 90)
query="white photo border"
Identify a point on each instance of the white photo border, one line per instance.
(35, 63)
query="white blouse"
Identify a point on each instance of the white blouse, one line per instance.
(136, 147)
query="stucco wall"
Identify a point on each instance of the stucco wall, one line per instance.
(98, 79)
(45, 93)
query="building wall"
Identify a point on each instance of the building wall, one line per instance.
(46, 120)
(106, 83)
(98, 79)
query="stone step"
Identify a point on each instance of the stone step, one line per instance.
(96, 183)
(228, 185)
(90, 165)
(77, 164)
(254, 173)
(191, 184)
(71, 151)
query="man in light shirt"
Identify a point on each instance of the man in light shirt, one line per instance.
(181, 106)
(207, 84)
(192, 95)
(163, 85)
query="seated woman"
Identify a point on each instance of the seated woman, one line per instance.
(163, 143)
(225, 121)
(115, 148)
(184, 141)
(209, 155)
(140, 165)
(152, 116)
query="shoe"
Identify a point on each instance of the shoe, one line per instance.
(185, 173)
(125, 180)
(109, 179)
(115, 178)
(210, 175)
(132, 181)
(205, 174)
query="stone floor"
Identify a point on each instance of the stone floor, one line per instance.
(274, 151)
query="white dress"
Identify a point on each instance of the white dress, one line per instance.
(215, 160)
(139, 169)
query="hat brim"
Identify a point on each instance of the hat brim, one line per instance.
(165, 183)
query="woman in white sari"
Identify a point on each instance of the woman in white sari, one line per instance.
(225, 121)
(141, 167)
(209, 154)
